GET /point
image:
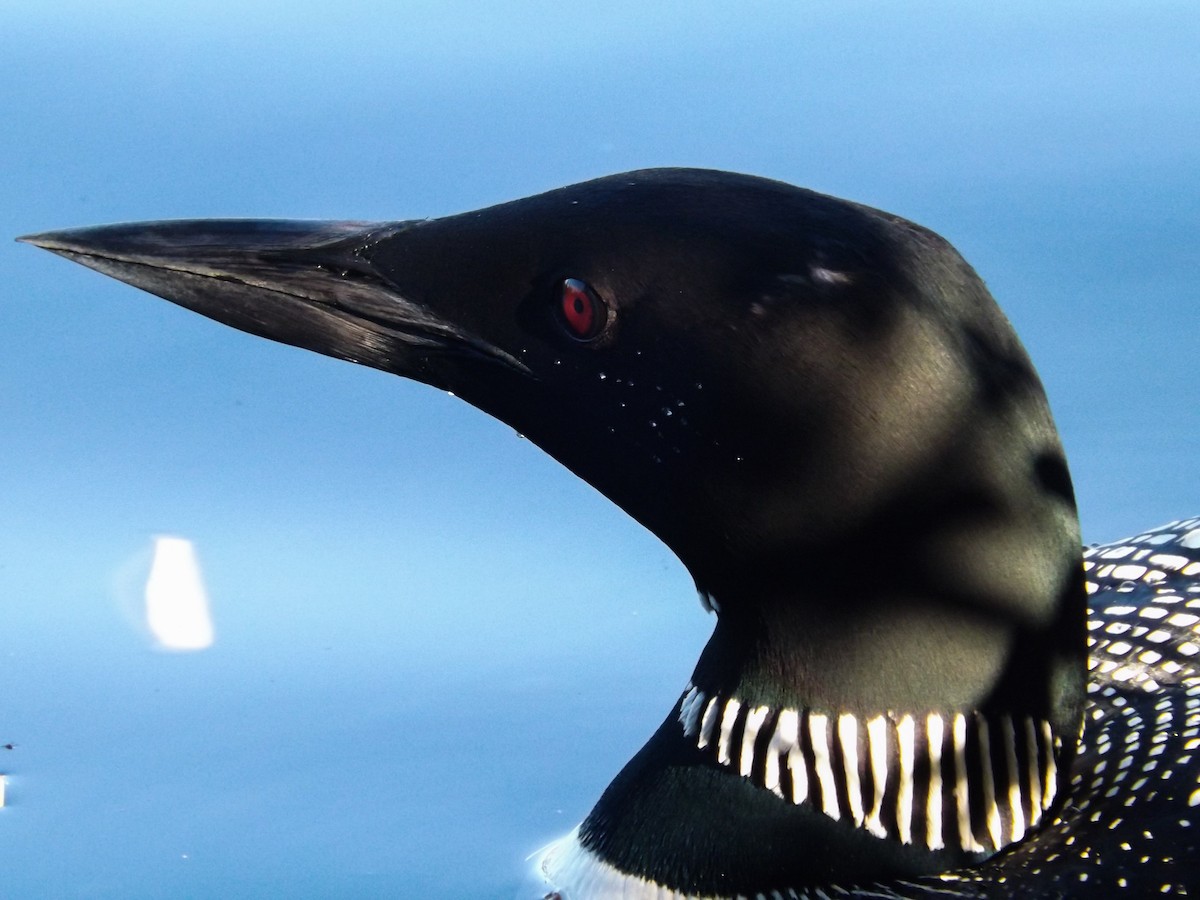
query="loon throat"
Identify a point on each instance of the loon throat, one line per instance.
(820, 409)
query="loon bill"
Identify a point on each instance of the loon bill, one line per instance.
(821, 410)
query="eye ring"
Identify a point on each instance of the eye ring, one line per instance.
(581, 312)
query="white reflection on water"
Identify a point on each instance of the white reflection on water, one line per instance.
(177, 611)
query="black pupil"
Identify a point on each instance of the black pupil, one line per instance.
(582, 312)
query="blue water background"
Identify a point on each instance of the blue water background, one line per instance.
(435, 646)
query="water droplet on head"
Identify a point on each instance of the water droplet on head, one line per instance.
(1126, 586)
(603, 376)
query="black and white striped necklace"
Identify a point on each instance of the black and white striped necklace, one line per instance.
(958, 780)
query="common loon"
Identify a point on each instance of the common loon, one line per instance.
(821, 410)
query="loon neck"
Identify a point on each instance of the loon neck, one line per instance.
(850, 654)
(929, 724)
(879, 735)
(870, 653)
(980, 607)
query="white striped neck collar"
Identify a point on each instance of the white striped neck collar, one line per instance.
(955, 780)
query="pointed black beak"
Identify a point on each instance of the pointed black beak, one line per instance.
(309, 284)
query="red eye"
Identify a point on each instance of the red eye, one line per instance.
(583, 313)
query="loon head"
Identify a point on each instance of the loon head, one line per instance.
(820, 409)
